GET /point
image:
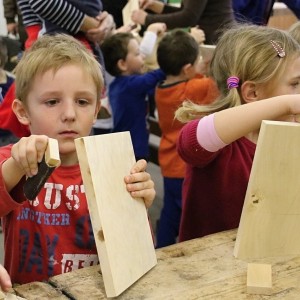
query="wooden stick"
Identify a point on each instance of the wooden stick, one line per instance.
(259, 279)
(52, 158)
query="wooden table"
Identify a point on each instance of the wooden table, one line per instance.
(203, 268)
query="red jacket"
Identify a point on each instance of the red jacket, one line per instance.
(168, 98)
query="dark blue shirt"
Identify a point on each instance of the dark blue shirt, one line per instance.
(128, 100)
(252, 11)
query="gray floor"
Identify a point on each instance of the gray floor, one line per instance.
(154, 210)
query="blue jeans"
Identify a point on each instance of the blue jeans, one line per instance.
(168, 227)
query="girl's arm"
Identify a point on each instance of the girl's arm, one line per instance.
(231, 124)
(59, 12)
(64, 14)
(153, 5)
(146, 82)
(187, 15)
(29, 17)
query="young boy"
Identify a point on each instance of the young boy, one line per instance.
(178, 57)
(128, 91)
(58, 87)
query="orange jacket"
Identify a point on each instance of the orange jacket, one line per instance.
(201, 90)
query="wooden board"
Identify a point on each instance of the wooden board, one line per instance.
(120, 223)
(127, 11)
(207, 52)
(269, 224)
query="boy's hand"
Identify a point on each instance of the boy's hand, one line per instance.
(158, 28)
(198, 34)
(28, 152)
(140, 184)
(5, 281)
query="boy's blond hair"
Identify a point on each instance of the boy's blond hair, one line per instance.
(247, 53)
(51, 52)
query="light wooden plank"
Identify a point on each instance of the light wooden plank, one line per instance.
(269, 224)
(259, 279)
(120, 223)
(127, 11)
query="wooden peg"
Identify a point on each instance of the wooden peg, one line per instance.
(259, 279)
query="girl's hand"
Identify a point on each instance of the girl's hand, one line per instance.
(28, 152)
(139, 183)
(5, 281)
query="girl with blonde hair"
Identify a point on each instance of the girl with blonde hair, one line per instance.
(257, 70)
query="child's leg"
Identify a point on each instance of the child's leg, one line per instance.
(169, 221)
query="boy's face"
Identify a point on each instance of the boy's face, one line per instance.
(62, 105)
(134, 58)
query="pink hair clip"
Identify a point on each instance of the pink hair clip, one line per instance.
(233, 82)
(278, 49)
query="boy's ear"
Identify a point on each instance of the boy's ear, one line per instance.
(187, 69)
(249, 91)
(20, 111)
(98, 106)
(122, 65)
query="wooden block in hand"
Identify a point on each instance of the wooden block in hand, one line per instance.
(259, 279)
(52, 158)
